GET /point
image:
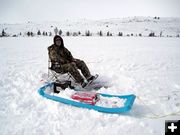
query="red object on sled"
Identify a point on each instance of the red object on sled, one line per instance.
(86, 97)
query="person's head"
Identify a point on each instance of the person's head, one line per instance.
(58, 41)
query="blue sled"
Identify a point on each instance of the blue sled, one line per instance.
(127, 106)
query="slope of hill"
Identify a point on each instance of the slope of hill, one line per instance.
(129, 26)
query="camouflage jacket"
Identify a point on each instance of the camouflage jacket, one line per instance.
(60, 55)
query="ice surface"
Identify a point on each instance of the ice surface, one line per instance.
(146, 67)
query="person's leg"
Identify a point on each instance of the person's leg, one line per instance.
(73, 70)
(83, 67)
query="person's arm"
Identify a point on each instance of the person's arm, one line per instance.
(52, 54)
(70, 57)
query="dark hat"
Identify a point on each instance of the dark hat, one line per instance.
(57, 36)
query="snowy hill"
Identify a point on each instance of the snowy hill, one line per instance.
(130, 26)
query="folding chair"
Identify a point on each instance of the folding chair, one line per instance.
(53, 76)
(62, 80)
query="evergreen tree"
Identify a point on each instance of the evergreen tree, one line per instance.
(14, 35)
(50, 33)
(56, 31)
(44, 33)
(39, 32)
(3, 33)
(28, 33)
(60, 32)
(88, 33)
(152, 34)
(75, 34)
(120, 34)
(100, 33)
(32, 34)
(67, 33)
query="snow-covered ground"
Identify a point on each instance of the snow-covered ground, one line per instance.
(166, 26)
(146, 67)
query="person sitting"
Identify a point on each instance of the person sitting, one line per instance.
(63, 62)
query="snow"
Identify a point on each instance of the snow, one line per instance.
(112, 102)
(146, 67)
(108, 102)
(169, 26)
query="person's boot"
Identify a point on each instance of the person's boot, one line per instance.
(84, 84)
(91, 78)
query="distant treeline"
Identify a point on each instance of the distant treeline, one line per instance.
(86, 33)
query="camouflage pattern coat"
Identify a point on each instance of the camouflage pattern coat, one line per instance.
(59, 54)
(63, 62)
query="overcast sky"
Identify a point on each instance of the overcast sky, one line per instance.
(12, 11)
